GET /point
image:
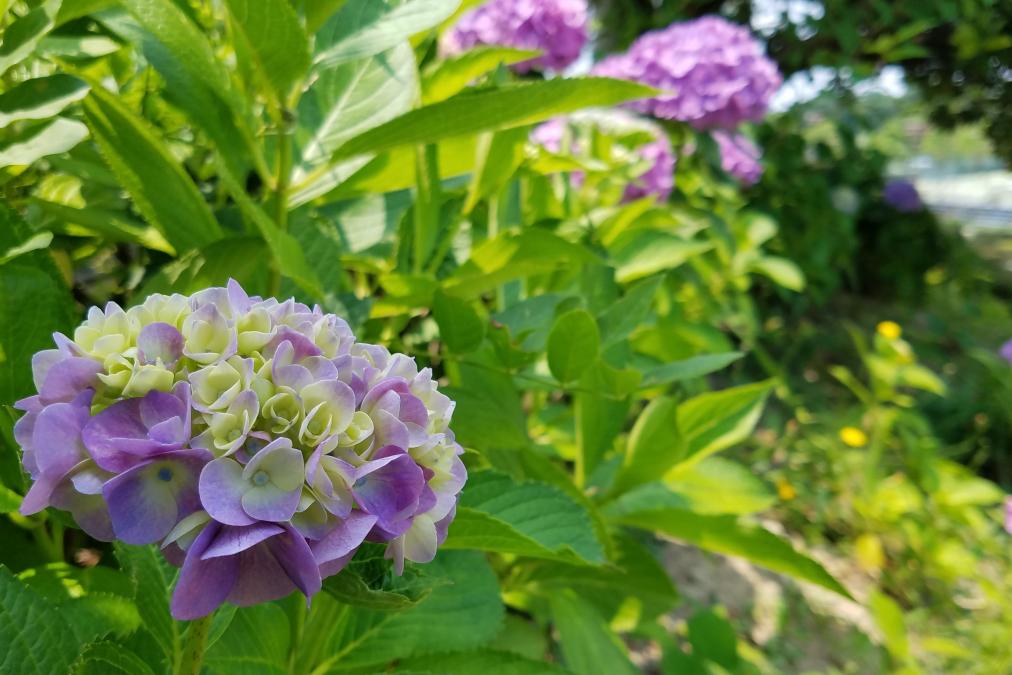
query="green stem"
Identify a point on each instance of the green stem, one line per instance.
(298, 627)
(281, 183)
(194, 643)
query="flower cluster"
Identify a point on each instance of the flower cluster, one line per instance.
(739, 157)
(902, 196)
(255, 440)
(650, 147)
(1006, 351)
(713, 72)
(558, 28)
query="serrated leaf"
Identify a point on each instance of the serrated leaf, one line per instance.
(460, 326)
(152, 578)
(362, 28)
(589, 646)
(488, 110)
(529, 518)
(102, 658)
(349, 588)
(484, 661)
(42, 140)
(727, 535)
(256, 642)
(271, 35)
(687, 369)
(36, 639)
(40, 98)
(97, 615)
(451, 76)
(488, 412)
(160, 189)
(573, 345)
(24, 33)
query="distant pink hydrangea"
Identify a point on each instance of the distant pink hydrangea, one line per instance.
(739, 157)
(714, 72)
(1006, 351)
(556, 27)
(658, 179)
(902, 196)
(1008, 514)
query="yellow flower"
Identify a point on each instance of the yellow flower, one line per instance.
(785, 490)
(890, 330)
(853, 437)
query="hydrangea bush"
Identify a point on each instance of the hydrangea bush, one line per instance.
(557, 28)
(902, 195)
(256, 441)
(739, 157)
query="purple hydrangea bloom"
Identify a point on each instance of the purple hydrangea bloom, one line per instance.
(655, 153)
(713, 72)
(1006, 351)
(1008, 514)
(902, 196)
(558, 28)
(256, 440)
(739, 157)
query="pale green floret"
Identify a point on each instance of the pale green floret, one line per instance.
(323, 415)
(360, 429)
(104, 334)
(227, 428)
(282, 411)
(255, 330)
(215, 387)
(205, 341)
(151, 377)
(158, 308)
(118, 369)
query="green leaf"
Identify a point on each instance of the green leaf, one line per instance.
(365, 27)
(889, 619)
(152, 579)
(719, 485)
(343, 101)
(573, 345)
(499, 156)
(727, 535)
(41, 140)
(160, 189)
(484, 661)
(460, 326)
(256, 642)
(36, 639)
(488, 412)
(600, 409)
(10, 501)
(24, 33)
(589, 646)
(717, 420)
(624, 315)
(239, 258)
(647, 252)
(491, 109)
(782, 271)
(463, 613)
(36, 242)
(451, 76)
(35, 307)
(514, 256)
(109, 657)
(271, 35)
(350, 588)
(713, 639)
(654, 446)
(530, 518)
(687, 369)
(40, 98)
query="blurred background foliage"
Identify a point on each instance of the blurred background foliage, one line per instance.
(795, 374)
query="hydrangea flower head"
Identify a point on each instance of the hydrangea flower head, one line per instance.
(558, 28)
(654, 153)
(1006, 351)
(256, 441)
(739, 157)
(713, 72)
(902, 196)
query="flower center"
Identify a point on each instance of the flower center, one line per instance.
(260, 478)
(165, 474)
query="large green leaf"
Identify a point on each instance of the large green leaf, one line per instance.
(727, 535)
(160, 189)
(463, 613)
(451, 76)
(484, 661)
(624, 315)
(103, 658)
(655, 444)
(255, 643)
(573, 345)
(270, 34)
(491, 109)
(687, 369)
(460, 326)
(152, 579)
(36, 639)
(717, 420)
(647, 252)
(488, 412)
(600, 408)
(499, 156)
(365, 27)
(41, 140)
(40, 98)
(589, 646)
(24, 33)
(350, 588)
(529, 519)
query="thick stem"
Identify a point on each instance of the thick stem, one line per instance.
(194, 643)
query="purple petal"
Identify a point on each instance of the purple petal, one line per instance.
(221, 489)
(301, 345)
(388, 430)
(118, 437)
(270, 503)
(68, 378)
(89, 511)
(344, 538)
(39, 495)
(159, 342)
(233, 540)
(147, 501)
(203, 584)
(389, 487)
(56, 438)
